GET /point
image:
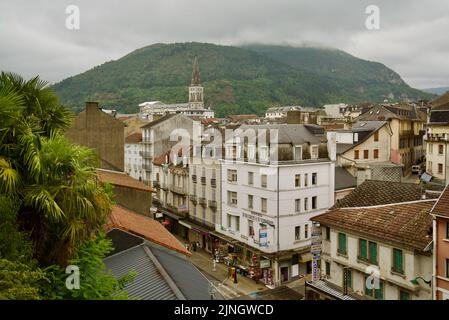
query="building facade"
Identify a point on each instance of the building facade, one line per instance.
(103, 133)
(437, 142)
(133, 157)
(440, 279)
(267, 204)
(371, 253)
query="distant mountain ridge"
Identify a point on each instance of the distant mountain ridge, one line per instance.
(237, 80)
(438, 91)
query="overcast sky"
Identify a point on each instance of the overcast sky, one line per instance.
(412, 40)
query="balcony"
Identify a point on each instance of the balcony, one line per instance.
(202, 201)
(146, 155)
(178, 190)
(212, 204)
(436, 138)
(194, 178)
(146, 167)
(178, 210)
(203, 181)
(193, 198)
(213, 182)
(163, 186)
(156, 184)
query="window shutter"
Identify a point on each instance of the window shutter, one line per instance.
(373, 252)
(363, 249)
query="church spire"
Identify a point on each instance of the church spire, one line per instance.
(195, 73)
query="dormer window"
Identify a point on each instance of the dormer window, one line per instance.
(263, 153)
(314, 152)
(297, 153)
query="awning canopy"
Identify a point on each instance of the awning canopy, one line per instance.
(305, 257)
(171, 215)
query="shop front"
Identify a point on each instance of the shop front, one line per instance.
(172, 222)
(198, 236)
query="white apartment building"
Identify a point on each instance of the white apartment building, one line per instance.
(267, 204)
(133, 157)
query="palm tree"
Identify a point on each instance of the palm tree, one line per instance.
(62, 202)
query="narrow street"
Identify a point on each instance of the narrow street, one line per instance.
(229, 290)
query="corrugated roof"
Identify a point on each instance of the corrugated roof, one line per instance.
(149, 283)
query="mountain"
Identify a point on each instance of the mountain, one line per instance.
(236, 80)
(438, 91)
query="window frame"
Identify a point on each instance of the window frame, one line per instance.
(340, 250)
(394, 267)
(297, 233)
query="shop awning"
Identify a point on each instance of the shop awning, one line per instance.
(224, 237)
(171, 215)
(305, 257)
(195, 227)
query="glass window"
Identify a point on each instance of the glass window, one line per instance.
(298, 205)
(306, 231)
(263, 204)
(342, 243)
(250, 201)
(398, 261)
(372, 252)
(250, 178)
(365, 154)
(404, 295)
(298, 233)
(263, 180)
(376, 136)
(250, 228)
(356, 154)
(297, 180)
(447, 230)
(314, 202)
(306, 204)
(298, 152)
(328, 233)
(232, 175)
(306, 180)
(314, 179)
(328, 268)
(363, 249)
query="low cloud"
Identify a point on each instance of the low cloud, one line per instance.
(412, 38)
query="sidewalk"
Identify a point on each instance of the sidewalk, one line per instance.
(244, 286)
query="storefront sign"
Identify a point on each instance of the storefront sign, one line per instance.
(316, 239)
(257, 218)
(263, 237)
(315, 270)
(265, 263)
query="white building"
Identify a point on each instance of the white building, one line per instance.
(133, 157)
(151, 110)
(267, 203)
(280, 112)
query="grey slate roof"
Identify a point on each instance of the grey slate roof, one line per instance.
(343, 179)
(162, 274)
(292, 133)
(149, 284)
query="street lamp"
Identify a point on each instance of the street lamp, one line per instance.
(415, 281)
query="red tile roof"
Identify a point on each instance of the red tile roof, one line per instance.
(118, 178)
(134, 138)
(406, 224)
(374, 192)
(442, 206)
(144, 227)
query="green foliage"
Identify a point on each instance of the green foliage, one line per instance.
(19, 281)
(237, 80)
(14, 245)
(95, 281)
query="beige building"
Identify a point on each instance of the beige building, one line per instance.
(437, 141)
(406, 123)
(171, 186)
(381, 252)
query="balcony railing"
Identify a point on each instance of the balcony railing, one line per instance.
(213, 182)
(202, 201)
(212, 204)
(178, 210)
(146, 154)
(435, 138)
(203, 181)
(177, 189)
(193, 198)
(194, 178)
(164, 186)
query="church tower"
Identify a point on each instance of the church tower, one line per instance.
(196, 100)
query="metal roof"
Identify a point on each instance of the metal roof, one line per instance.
(326, 287)
(149, 283)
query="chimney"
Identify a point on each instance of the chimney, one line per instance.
(90, 106)
(294, 117)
